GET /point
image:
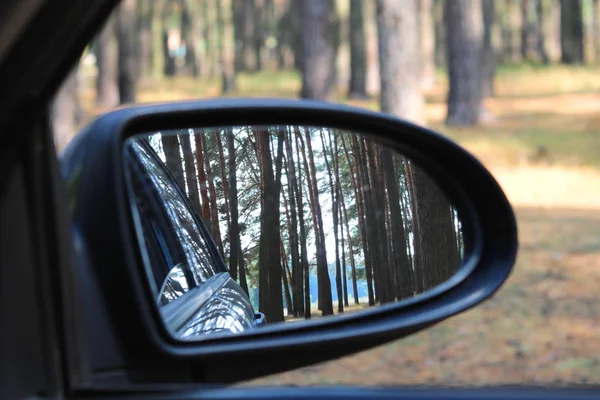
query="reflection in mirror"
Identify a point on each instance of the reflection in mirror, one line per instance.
(242, 224)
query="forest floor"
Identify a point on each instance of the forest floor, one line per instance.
(543, 326)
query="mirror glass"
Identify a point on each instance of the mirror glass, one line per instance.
(247, 226)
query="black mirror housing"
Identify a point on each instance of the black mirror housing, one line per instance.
(92, 166)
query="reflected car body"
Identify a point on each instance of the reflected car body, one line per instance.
(192, 286)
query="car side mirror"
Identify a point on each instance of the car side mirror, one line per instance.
(342, 228)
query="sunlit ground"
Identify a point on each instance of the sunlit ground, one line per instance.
(543, 327)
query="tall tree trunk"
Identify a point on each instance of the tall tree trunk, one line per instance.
(65, 110)
(211, 35)
(528, 45)
(293, 231)
(323, 281)
(157, 29)
(190, 172)
(170, 144)
(489, 53)
(318, 53)
(214, 211)
(363, 187)
(340, 215)
(596, 30)
(571, 32)
(269, 259)
(227, 45)
(259, 34)
(439, 254)
(127, 59)
(399, 59)
(107, 54)
(358, 51)
(348, 235)
(200, 155)
(248, 61)
(440, 33)
(398, 236)
(144, 40)
(359, 185)
(464, 40)
(235, 253)
(286, 281)
(334, 212)
(540, 31)
(303, 235)
(416, 231)
(224, 181)
(427, 40)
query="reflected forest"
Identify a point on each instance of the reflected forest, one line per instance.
(313, 221)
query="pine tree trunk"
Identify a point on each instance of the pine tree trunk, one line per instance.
(323, 281)
(214, 212)
(269, 259)
(427, 40)
(358, 51)
(405, 283)
(464, 40)
(540, 32)
(399, 59)
(170, 144)
(297, 277)
(126, 50)
(200, 155)
(571, 32)
(439, 253)
(107, 54)
(489, 53)
(190, 172)
(348, 235)
(334, 212)
(318, 53)
(303, 236)
(227, 46)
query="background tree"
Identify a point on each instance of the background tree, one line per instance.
(571, 32)
(427, 39)
(399, 55)
(107, 53)
(489, 52)
(126, 53)
(227, 45)
(464, 36)
(318, 53)
(358, 51)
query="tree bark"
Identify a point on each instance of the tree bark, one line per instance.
(170, 144)
(358, 51)
(323, 281)
(190, 172)
(489, 53)
(107, 53)
(200, 155)
(293, 231)
(399, 59)
(126, 51)
(303, 235)
(464, 40)
(270, 279)
(318, 53)
(571, 32)
(227, 47)
(427, 40)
